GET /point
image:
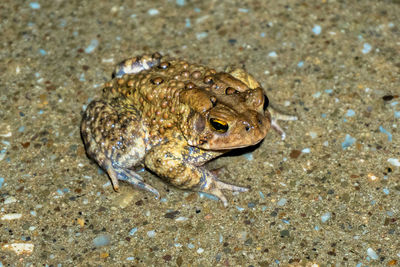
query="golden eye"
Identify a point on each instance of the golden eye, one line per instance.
(218, 125)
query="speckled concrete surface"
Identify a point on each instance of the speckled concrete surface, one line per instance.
(329, 195)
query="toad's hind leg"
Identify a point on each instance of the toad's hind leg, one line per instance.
(116, 141)
(127, 175)
(135, 65)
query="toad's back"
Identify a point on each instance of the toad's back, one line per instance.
(154, 92)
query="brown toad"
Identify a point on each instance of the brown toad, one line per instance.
(173, 116)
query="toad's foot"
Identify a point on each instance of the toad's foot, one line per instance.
(277, 116)
(129, 176)
(213, 186)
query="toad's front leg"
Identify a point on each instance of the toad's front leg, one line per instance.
(171, 165)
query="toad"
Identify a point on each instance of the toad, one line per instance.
(173, 116)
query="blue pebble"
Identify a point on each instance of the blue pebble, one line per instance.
(133, 231)
(201, 35)
(350, 113)
(386, 191)
(261, 195)
(272, 54)
(397, 114)
(92, 46)
(197, 10)
(281, 202)
(130, 258)
(202, 194)
(366, 48)
(42, 52)
(323, 115)
(187, 23)
(251, 205)
(383, 130)
(21, 129)
(1, 181)
(328, 91)
(316, 29)
(34, 5)
(180, 2)
(300, 64)
(101, 240)
(325, 217)
(243, 10)
(348, 141)
(262, 34)
(239, 208)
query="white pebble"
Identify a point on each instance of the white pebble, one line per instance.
(372, 254)
(11, 216)
(394, 162)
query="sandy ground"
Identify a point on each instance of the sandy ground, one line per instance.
(328, 195)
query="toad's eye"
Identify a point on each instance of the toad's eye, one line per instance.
(218, 125)
(266, 102)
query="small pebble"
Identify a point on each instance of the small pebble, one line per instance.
(386, 191)
(325, 217)
(305, 150)
(11, 216)
(180, 2)
(92, 46)
(151, 233)
(19, 248)
(393, 161)
(281, 202)
(101, 240)
(187, 23)
(133, 231)
(348, 141)
(34, 5)
(273, 54)
(316, 29)
(153, 12)
(366, 48)
(372, 254)
(201, 35)
(200, 250)
(350, 113)
(317, 95)
(383, 130)
(248, 156)
(239, 208)
(300, 64)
